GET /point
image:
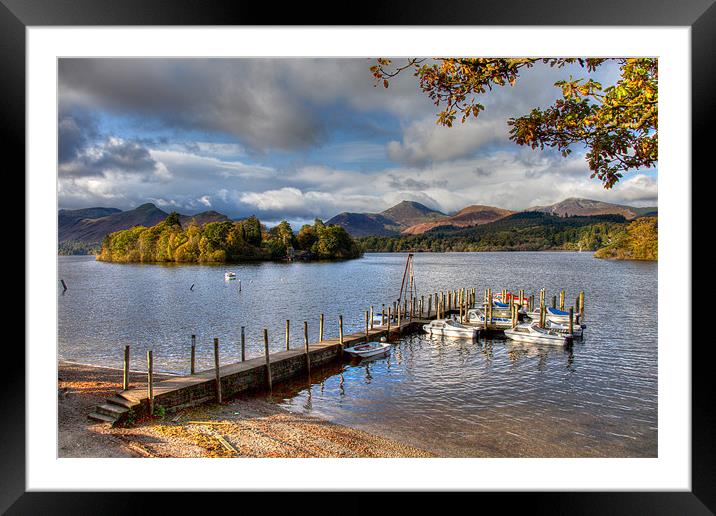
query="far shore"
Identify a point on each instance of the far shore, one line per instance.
(252, 426)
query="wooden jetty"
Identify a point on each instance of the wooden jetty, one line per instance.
(261, 373)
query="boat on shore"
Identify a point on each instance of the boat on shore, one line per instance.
(369, 349)
(532, 333)
(450, 328)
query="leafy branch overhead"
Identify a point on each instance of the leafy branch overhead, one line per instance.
(618, 124)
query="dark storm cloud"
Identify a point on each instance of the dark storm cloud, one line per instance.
(245, 98)
(75, 131)
(114, 155)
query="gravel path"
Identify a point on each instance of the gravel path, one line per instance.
(243, 427)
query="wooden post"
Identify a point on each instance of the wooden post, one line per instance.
(561, 300)
(340, 331)
(216, 369)
(571, 320)
(430, 302)
(288, 333)
(422, 305)
(554, 301)
(305, 345)
(268, 360)
(193, 354)
(371, 317)
(367, 338)
(125, 376)
(389, 317)
(320, 329)
(64, 286)
(581, 306)
(398, 318)
(394, 312)
(243, 344)
(382, 314)
(542, 315)
(150, 381)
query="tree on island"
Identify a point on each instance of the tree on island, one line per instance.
(618, 124)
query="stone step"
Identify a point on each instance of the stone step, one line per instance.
(111, 410)
(124, 402)
(102, 418)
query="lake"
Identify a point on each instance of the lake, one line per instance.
(487, 397)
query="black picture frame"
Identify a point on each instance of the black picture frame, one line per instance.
(700, 15)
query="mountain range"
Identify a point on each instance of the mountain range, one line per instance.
(90, 225)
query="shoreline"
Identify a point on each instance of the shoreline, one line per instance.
(246, 426)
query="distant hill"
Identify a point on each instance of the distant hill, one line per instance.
(588, 207)
(470, 216)
(386, 223)
(365, 224)
(92, 224)
(409, 213)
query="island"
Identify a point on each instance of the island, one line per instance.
(227, 241)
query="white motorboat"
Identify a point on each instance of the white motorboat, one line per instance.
(534, 334)
(556, 316)
(229, 275)
(477, 316)
(450, 328)
(563, 329)
(369, 349)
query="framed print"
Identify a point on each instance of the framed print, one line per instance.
(424, 257)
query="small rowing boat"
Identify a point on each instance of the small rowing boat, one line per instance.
(369, 349)
(229, 275)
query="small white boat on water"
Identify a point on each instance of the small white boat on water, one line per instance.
(450, 328)
(536, 335)
(563, 329)
(229, 275)
(369, 349)
(477, 316)
(556, 316)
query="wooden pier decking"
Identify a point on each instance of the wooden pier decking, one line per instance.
(189, 390)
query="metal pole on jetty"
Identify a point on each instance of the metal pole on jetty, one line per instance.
(125, 371)
(150, 381)
(216, 369)
(268, 360)
(192, 368)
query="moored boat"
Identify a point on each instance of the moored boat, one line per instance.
(477, 316)
(563, 329)
(450, 328)
(369, 349)
(229, 275)
(536, 335)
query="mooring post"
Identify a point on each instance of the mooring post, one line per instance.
(394, 312)
(554, 301)
(64, 285)
(305, 345)
(216, 370)
(320, 329)
(366, 326)
(382, 314)
(398, 318)
(243, 344)
(371, 317)
(561, 300)
(581, 306)
(268, 360)
(389, 316)
(125, 375)
(192, 367)
(430, 302)
(571, 320)
(288, 334)
(340, 331)
(150, 381)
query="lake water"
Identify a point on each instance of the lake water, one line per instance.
(488, 397)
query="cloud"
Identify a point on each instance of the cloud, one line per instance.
(75, 131)
(115, 155)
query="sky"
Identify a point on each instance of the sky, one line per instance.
(299, 139)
